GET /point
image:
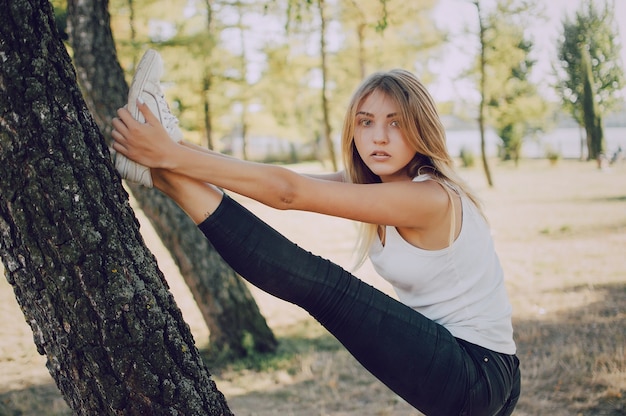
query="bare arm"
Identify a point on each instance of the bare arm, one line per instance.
(402, 204)
(333, 176)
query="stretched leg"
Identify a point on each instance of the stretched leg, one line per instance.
(417, 358)
(199, 200)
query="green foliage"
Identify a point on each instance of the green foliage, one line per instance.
(60, 17)
(591, 114)
(409, 39)
(593, 29)
(248, 342)
(254, 65)
(467, 157)
(590, 73)
(553, 155)
(293, 343)
(515, 109)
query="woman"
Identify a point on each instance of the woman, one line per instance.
(446, 346)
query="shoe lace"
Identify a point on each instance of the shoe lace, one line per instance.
(170, 121)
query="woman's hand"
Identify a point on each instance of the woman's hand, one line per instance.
(145, 143)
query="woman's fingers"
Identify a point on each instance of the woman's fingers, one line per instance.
(144, 143)
(147, 114)
(118, 141)
(119, 127)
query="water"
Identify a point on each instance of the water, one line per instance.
(566, 141)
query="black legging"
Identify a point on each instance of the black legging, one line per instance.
(415, 357)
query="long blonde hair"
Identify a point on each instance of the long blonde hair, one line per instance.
(423, 130)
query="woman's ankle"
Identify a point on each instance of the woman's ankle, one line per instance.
(197, 199)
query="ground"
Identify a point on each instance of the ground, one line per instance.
(561, 235)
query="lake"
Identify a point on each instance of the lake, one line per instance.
(564, 140)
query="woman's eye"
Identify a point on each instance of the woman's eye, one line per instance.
(395, 123)
(365, 122)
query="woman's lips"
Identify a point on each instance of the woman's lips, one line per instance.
(380, 155)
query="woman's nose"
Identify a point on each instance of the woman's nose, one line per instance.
(380, 136)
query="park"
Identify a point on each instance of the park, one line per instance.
(103, 310)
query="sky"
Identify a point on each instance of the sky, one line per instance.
(458, 16)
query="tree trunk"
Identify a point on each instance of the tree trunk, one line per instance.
(360, 35)
(99, 308)
(207, 79)
(206, 107)
(481, 106)
(224, 300)
(243, 71)
(326, 117)
(591, 112)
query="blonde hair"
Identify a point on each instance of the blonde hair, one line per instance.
(423, 130)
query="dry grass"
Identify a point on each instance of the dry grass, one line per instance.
(561, 235)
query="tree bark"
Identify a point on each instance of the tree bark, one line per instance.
(483, 92)
(207, 79)
(99, 308)
(326, 118)
(591, 113)
(235, 323)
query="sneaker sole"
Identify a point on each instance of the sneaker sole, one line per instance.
(149, 58)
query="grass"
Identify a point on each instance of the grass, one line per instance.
(574, 361)
(295, 343)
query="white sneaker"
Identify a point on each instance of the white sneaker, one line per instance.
(146, 84)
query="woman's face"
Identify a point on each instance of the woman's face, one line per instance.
(379, 139)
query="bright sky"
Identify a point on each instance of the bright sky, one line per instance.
(460, 15)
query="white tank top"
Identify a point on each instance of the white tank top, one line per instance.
(460, 287)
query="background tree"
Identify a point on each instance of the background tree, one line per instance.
(363, 37)
(244, 95)
(502, 76)
(270, 88)
(187, 36)
(313, 18)
(327, 129)
(515, 109)
(354, 12)
(592, 117)
(235, 323)
(482, 84)
(287, 75)
(590, 73)
(99, 308)
(381, 35)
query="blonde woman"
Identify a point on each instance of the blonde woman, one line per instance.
(446, 346)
